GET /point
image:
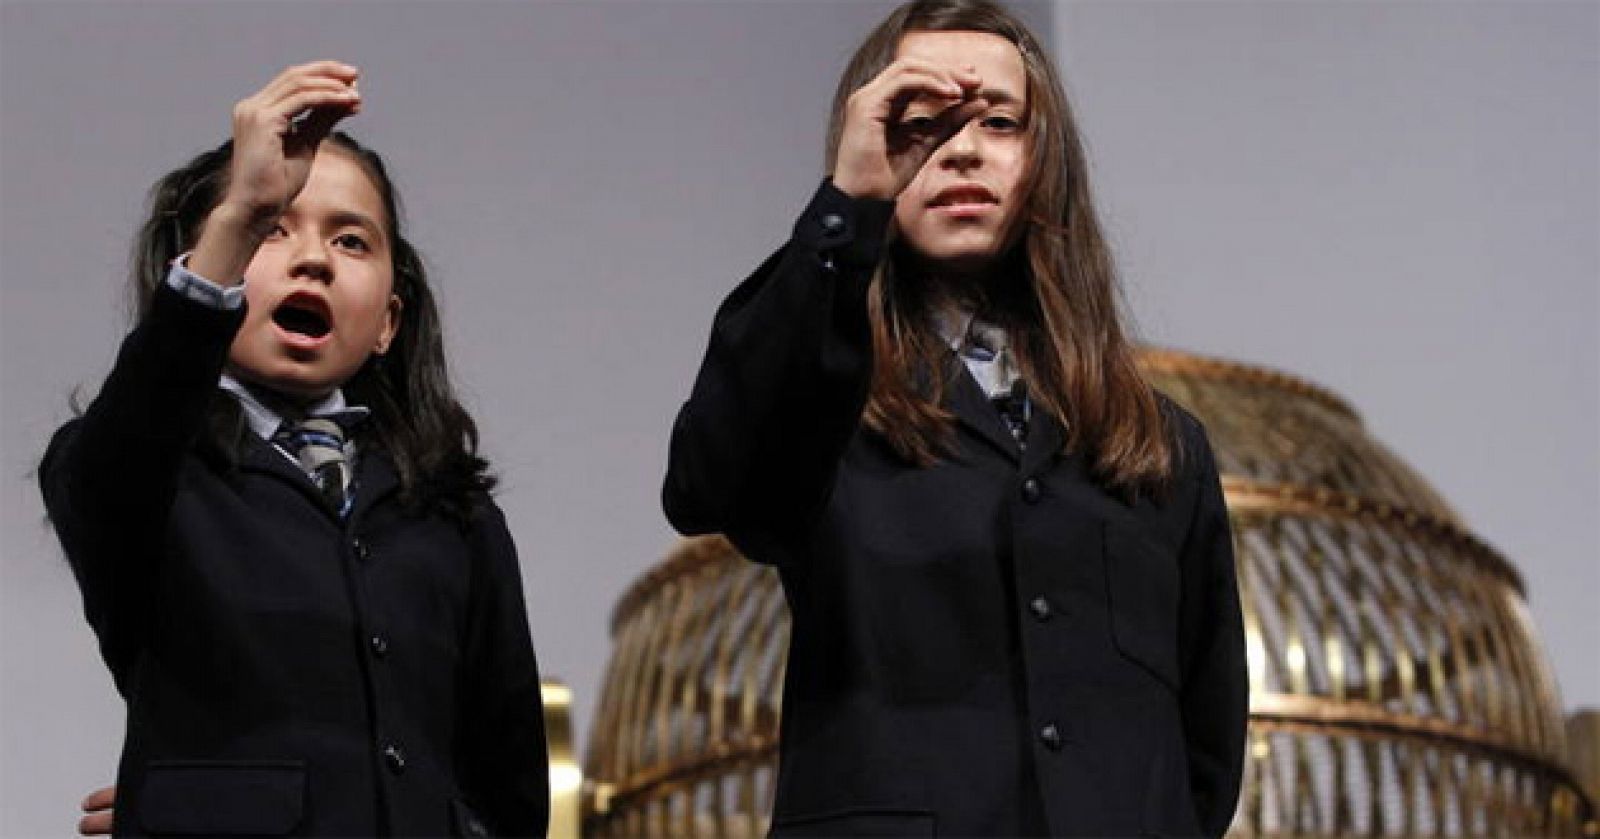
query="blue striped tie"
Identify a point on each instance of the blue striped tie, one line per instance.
(318, 444)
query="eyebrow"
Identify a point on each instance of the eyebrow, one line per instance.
(353, 218)
(996, 96)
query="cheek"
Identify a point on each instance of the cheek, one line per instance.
(267, 264)
(916, 192)
(1014, 162)
(369, 308)
(258, 312)
(261, 278)
(255, 298)
(910, 206)
(903, 217)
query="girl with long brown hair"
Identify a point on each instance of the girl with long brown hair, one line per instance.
(1007, 557)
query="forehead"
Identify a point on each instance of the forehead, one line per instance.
(996, 60)
(338, 183)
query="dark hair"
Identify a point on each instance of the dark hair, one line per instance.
(1063, 318)
(416, 418)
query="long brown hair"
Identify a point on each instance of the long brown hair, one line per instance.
(416, 417)
(1063, 315)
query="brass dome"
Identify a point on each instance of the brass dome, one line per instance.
(1396, 684)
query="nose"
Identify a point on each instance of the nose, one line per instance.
(964, 150)
(310, 260)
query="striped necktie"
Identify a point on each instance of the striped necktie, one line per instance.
(318, 444)
(987, 344)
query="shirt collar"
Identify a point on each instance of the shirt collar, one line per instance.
(955, 324)
(953, 321)
(265, 420)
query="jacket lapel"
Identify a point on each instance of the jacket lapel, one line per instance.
(1045, 439)
(258, 455)
(375, 478)
(375, 474)
(964, 398)
(972, 408)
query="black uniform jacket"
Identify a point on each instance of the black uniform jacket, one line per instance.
(287, 673)
(988, 646)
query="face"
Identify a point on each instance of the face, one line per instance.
(320, 289)
(959, 213)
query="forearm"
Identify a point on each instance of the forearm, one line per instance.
(784, 380)
(109, 477)
(228, 242)
(149, 409)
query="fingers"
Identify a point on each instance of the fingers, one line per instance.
(323, 84)
(892, 123)
(907, 79)
(951, 120)
(286, 120)
(291, 77)
(306, 134)
(310, 114)
(95, 824)
(954, 80)
(100, 799)
(98, 807)
(294, 99)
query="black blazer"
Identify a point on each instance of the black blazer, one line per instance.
(992, 645)
(287, 673)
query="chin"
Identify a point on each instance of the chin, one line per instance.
(967, 259)
(296, 384)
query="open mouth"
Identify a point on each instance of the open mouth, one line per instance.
(963, 196)
(304, 314)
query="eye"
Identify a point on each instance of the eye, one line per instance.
(277, 232)
(1002, 123)
(352, 242)
(920, 115)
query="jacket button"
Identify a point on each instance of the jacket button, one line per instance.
(361, 550)
(832, 224)
(379, 645)
(1050, 736)
(394, 759)
(1031, 490)
(1040, 608)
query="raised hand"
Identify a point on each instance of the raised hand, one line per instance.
(893, 123)
(275, 136)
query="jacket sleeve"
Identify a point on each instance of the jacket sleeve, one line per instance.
(1215, 692)
(506, 766)
(783, 382)
(109, 476)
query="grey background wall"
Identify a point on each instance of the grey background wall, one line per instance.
(1397, 200)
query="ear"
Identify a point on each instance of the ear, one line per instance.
(391, 325)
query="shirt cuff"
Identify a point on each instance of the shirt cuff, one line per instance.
(201, 290)
(843, 229)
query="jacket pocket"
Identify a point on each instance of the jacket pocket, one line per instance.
(1142, 596)
(863, 821)
(222, 798)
